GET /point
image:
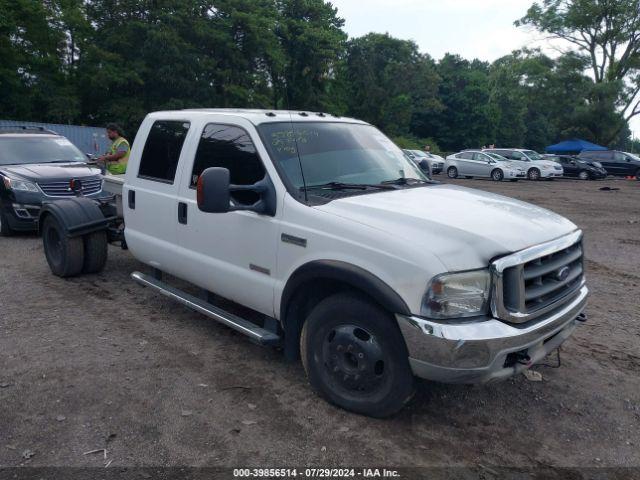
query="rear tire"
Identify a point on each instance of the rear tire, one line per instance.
(65, 255)
(452, 172)
(533, 174)
(355, 356)
(497, 175)
(95, 252)
(5, 228)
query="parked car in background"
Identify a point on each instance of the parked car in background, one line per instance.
(38, 164)
(537, 167)
(616, 163)
(475, 163)
(579, 167)
(436, 162)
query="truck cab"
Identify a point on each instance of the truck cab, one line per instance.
(323, 228)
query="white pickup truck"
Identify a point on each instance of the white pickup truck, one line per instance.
(340, 248)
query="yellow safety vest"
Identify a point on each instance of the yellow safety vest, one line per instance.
(120, 167)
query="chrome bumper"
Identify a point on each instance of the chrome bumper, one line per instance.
(476, 352)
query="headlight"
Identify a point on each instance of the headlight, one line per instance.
(455, 295)
(13, 184)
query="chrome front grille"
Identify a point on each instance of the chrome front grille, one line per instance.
(536, 280)
(90, 185)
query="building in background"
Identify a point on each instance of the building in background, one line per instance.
(88, 139)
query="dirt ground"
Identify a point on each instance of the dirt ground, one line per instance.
(100, 362)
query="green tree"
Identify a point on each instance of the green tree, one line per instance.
(605, 34)
(389, 82)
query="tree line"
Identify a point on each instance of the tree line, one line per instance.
(97, 61)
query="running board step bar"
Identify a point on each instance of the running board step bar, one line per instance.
(251, 330)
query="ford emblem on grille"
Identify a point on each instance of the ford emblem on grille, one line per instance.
(562, 274)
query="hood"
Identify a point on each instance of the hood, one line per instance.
(38, 172)
(464, 228)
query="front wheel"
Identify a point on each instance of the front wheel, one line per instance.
(5, 228)
(497, 175)
(583, 175)
(355, 356)
(65, 255)
(452, 172)
(533, 174)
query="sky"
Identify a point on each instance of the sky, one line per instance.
(481, 29)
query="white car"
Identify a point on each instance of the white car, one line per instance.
(436, 162)
(339, 249)
(475, 163)
(537, 167)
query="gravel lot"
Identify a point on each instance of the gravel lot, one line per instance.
(100, 362)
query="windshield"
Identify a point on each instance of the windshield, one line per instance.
(533, 155)
(495, 156)
(19, 150)
(632, 155)
(420, 153)
(335, 152)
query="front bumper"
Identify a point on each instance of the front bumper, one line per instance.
(551, 173)
(476, 352)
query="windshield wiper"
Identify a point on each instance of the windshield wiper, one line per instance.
(405, 181)
(347, 186)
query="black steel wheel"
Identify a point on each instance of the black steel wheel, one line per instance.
(355, 356)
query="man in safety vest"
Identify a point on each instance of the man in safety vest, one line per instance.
(115, 160)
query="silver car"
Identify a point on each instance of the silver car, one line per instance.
(475, 163)
(436, 162)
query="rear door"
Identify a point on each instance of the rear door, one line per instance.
(232, 254)
(465, 163)
(150, 195)
(482, 166)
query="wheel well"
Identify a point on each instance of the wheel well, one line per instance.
(313, 283)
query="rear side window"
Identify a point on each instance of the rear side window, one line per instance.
(229, 147)
(162, 150)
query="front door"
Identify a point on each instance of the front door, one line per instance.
(232, 254)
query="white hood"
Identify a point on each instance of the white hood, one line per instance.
(464, 228)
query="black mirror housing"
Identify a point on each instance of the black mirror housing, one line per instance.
(214, 193)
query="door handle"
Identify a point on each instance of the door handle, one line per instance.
(182, 213)
(132, 199)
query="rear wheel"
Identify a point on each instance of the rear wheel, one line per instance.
(497, 175)
(5, 228)
(355, 356)
(638, 174)
(533, 174)
(452, 172)
(583, 175)
(65, 255)
(95, 252)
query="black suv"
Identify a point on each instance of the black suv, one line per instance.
(617, 163)
(37, 165)
(581, 168)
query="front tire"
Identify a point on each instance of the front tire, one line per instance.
(65, 255)
(5, 228)
(452, 172)
(583, 175)
(355, 356)
(533, 174)
(497, 175)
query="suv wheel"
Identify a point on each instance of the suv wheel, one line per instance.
(583, 175)
(497, 175)
(5, 229)
(355, 356)
(452, 172)
(533, 174)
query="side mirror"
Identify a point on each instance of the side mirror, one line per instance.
(214, 193)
